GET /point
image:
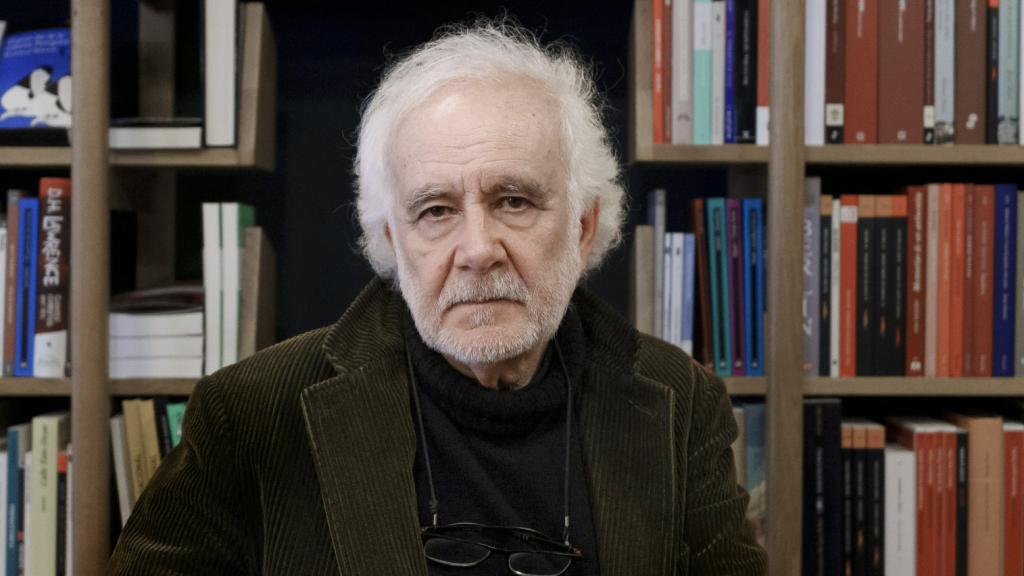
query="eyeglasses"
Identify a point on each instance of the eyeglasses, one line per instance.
(467, 544)
(462, 545)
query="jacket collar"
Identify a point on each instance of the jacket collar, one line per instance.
(361, 434)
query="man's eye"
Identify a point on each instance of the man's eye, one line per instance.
(515, 202)
(435, 212)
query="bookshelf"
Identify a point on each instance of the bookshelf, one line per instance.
(142, 180)
(787, 161)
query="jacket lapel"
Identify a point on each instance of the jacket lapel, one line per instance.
(628, 447)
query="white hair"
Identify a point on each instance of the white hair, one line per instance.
(489, 50)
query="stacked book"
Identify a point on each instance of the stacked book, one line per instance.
(157, 333)
(917, 283)
(703, 289)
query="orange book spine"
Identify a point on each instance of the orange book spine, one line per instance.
(966, 311)
(917, 258)
(926, 560)
(848, 285)
(956, 281)
(984, 262)
(945, 248)
(861, 87)
(658, 70)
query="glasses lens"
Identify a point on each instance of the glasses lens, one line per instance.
(453, 553)
(530, 564)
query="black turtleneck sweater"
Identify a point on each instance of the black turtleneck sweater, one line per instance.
(498, 457)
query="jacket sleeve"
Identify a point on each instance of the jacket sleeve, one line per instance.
(719, 537)
(193, 517)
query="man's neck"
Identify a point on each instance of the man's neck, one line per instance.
(510, 374)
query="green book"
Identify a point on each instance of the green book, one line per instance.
(718, 271)
(175, 413)
(702, 48)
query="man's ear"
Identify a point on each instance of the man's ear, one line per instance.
(588, 229)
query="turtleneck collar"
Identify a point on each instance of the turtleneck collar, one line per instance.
(498, 412)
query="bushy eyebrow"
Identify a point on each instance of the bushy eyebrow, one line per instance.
(422, 196)
(513, 185)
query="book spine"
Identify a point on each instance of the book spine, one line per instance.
(163, 427)
(812, 274)
(656, 217)
(966, 310)
(1008, 81)
(917, 215)
(754, 413)
(756, 367)
(1013, 562)
(1018, 349)
(813, 492)
(931, 292)
(642, 279)
(736, 281)
(25, 316)
(945, 279)
(15, 467)
(899, 511)
(848, 287)
(956, 281)
(833, 494)
(971, 71)
(860, 496)
(1003, 295)
(717, 72)
(62, 512)
(861, 87)
(836, 296)
(677, 290)
(658, 70)
(950, 495)
(11, 274)
(867, 318)
(898, 283)
(992, 76)
(688, 289)
(824, 285)
(848, 496)
(947, 62)
(666, 289)
(763, 46)
(928, 117)
(212, 288)
(702, 48)
(835, 74)
(719, 286)
(901, 72)
(984, 236)
(929, 526)
(882, 302)
(876, 510)
(749, 285)
(682, 70)
(667, 71)
(814, 75)
(961, 502)
(746, 71)
(703, 283)
(729, 126)
(53, 279)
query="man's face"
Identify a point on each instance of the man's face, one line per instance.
(488, 252)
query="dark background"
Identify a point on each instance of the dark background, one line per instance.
(329, 58)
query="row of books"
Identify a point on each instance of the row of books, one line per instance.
(35, 88)
(35, 488)
(710, 71)
(918, 283)
(912, 495)
(141, 436)
(913, 72)
(705, 286)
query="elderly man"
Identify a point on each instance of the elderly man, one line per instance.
(473, 411)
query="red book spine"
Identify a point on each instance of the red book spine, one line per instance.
(658, 75)
(950, 495)
(956, 281)
(848, 285)
(901, 72)
(861, 100)
(666, 68)
(926, 560)
(1013, 516)
(763, 47)
(967, 310)
(971, 68)
(984, 259)
(701, 248)
(945, 295)
(929, 71)
(835, 75)
(917, 213)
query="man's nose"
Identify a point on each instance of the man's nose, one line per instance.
(481, 248)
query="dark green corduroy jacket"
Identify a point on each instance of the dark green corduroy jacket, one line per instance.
(299, 460)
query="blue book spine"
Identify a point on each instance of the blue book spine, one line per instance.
(14, 507)
(25, 317)
(689, 282)
(729, 130)
(719, 273)
(1004, 276)
(753, 285)
(754, 453)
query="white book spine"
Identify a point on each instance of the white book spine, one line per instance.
(810, 306)
(900, 511)
(231, 265)
(1008, 81)
(717, 72)
(156, 367)
(931, 295)
(814, 77)
(212, 286)
(156, 346)
(657, 215)
(945, 69)
(677, 290)
(220, 59)
(834, 293)
(682, 62)
(119, 452)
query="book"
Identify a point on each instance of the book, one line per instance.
(1013, 499)
(63, 502)
(753, 286)
(823, 499)
(901, 72)
(156, 134)
(182, 322)
(25, 325)
(917, 247)
(703, 282)
(729, 74)
(175, 414)
(848, 286)
(861, 93)
(717, 72)
(971, 71)
(689, 266)
(746, 45)
(53, 293)
(834, 305)
(931, 290)
(656, 214)
(163, 426)
(734, 230)
(156, 346)
(641, 280)
(835, 69)
(5, 253)
(1018, 348)
(213, 287)
(947, 62)
(898, 295)
(19, 442)
(673, 288)
(50, 434)
(882, 299)
(943, 337)
(703, 23)
(992, 73)
(150, 436)
(14, 196)
(134, 443)
(658, 38)
(867, 260)
(763, 93)
(122, 467)
(815, 14)
(719, 275)
(754, 416)
(929, 72)
(957, 278)
(235, 218)
(1008, 82)
(1003, 279)
(825, 286)
(966, 311)
(163, 367)
(221, 40)
(682, 66)
(984, 258)
(812, 274)
(35, 79)
(900, 502)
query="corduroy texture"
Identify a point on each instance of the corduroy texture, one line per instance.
(299, 460)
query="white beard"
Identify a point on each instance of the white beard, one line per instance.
(545, 306)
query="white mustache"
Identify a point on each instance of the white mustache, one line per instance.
(497, 286)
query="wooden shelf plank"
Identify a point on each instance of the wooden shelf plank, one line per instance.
(725, 154)
(152, 387)
(896, 154)
(34, 156)
(746, 386)
(900, 386)
(35, 387)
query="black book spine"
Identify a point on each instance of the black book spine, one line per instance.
(898, 359)
(865, 291)
(746, 71)
(859, 512)
(833, 495)
(881, 301)
(62, 523)
(813, 555)
(876, 511)
(825, 300)
(992, 78)
(961, 503)
(847, 486)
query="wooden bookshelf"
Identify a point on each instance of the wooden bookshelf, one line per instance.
(152, 387)
(733, 154)
(900, 386)
(746, 386)
(914, 155)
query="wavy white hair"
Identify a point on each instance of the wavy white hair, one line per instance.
(489, 49)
